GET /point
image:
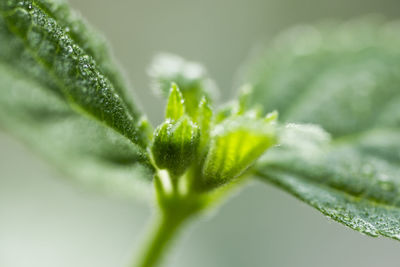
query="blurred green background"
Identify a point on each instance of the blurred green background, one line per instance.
(47, 221)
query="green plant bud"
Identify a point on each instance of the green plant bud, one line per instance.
(175, 145)
(175, 106)
(235, 145)
(203, 118)
(191, 77)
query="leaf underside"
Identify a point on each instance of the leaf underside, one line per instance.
(354, 182)
(62, 95)
(344, 77)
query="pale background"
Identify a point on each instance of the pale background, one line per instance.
(45, 221)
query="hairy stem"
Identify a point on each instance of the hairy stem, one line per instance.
(161, 236)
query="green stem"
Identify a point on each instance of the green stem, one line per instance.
(161, 236)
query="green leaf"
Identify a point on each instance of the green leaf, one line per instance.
(43, 38)
(344, 77)
(235, 145)
(355, 182)
(62, 95)
(83, 149)
(92, 42)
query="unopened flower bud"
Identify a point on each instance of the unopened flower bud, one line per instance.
(175, 145)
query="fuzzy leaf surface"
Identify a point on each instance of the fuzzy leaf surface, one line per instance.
(235, 144)
(344, 77)
(62, 95)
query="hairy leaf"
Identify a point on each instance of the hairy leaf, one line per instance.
(235, 144)
(33, 38)
(80, 147)
(344, 77)
(62, 95)
(356, 182)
